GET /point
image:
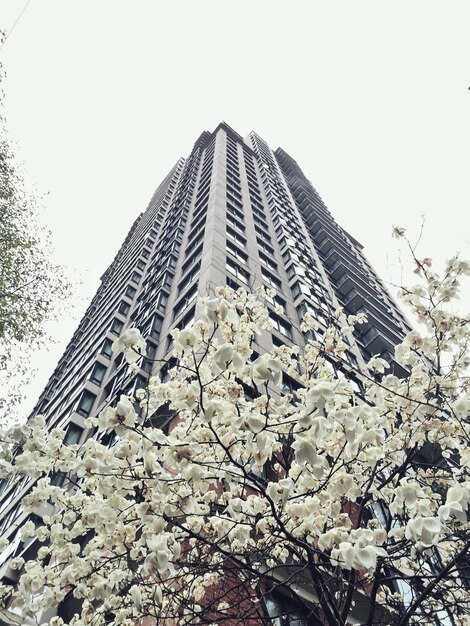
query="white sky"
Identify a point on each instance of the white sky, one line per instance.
(371, 98)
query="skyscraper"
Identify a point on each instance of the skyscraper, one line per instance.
(234, 212)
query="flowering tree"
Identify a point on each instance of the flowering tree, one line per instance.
(222, 501)
(32, 288)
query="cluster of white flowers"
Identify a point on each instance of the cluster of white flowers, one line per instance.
(326, 481)
(132, 344)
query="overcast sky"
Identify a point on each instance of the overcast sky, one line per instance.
(371, 98)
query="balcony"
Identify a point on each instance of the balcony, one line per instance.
(347, 282)
(384, 325)
(376, 342)
(332, 241)
(353, 300)
(347, 276)
(357, 298)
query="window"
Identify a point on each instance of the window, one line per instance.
(162, 417)
(355, 384)
(305, 307)
(237, 270)
(165, 371)
(85, 404)
(241, 256)
(351, 359)
(236, 237)
(232, 220)
(170, 262)
(260, 222)
(233, 188)
(170, 344)
(130, 291)
(196, 226)
(268, 262)
(232, 284)
(295, 270)
(147, 363)
(285, 611)
(257, 212)
(288, 385)
(262, 234)
(298, 288)
(155, 327)
(107, 348)
(116, 326)
(281, 325)
(145, 253)
(195, 242)
(269, 278)
(194, 257)
(135, 277)
(162, 301)
(97, 373)
(235, 212)
(140, 264)
(188, 319)
(264, 246)
(185, 300)
(72, 434)
(276, 301)
(189, 277)
(57, 479)
(124, 308)
(278, 343)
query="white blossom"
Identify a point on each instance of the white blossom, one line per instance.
(131, 343)
(214, 474)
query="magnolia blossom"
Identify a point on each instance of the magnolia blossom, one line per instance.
(226, 355)
(131, 343)
(349, 556)
(218, 309)
(377, 364)
(426, 530)
(198, 493)
(186, 338)
(266, 369)
(456, 504)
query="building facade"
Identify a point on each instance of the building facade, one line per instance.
(234, 212)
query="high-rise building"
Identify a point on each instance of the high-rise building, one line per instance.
(233, 212)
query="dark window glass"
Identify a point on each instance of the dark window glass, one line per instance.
(116, 326)
(185, 300)
(97, 373)
(130, 291)
(241, 256)
(73, 434)
(156, 326)
(234, 236)
(237, 270)
(124, 308)
(85, 404)
(147, 363)
(281, 325)
(162, 301)
(287, 612)
(269, 278)
(232, 284)
(107, 348)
